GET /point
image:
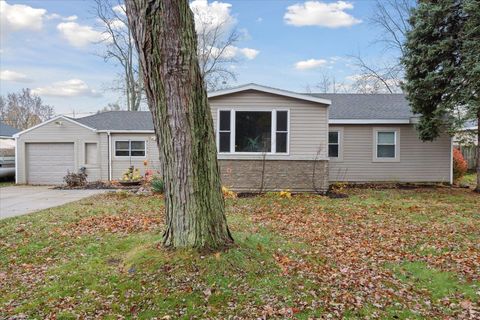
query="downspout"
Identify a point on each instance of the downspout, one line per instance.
(109, 156)
(16, 160)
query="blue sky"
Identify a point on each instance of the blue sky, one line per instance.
(45, 46)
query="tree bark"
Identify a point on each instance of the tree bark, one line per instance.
(477, 189)
(164, 33)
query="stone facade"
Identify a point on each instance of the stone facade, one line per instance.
(294, 175)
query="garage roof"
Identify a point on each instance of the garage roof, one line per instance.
(119, 120)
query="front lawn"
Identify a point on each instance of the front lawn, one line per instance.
(394, 254)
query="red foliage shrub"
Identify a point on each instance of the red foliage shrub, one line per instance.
(459, 165)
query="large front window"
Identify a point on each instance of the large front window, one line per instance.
(253, 131)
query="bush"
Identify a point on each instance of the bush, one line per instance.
(158, 186)
(459, 165)
(227, 193)
(76, 179)
(132, 174)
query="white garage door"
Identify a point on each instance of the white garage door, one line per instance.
(48, 163)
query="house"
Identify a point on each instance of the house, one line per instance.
(466, 139)
(267, 139)
(7, 150)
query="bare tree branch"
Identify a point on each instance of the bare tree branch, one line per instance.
(23, 110)
(119, 46)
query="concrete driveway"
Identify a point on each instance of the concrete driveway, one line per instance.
(19, 200)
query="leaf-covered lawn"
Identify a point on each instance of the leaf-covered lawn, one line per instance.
(392, 254)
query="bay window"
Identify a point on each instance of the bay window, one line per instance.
(252, 131)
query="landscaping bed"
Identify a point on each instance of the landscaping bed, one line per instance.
(389, 254)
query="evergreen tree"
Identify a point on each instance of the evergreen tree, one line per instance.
(442, 66)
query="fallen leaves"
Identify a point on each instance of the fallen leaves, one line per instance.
(334, 255)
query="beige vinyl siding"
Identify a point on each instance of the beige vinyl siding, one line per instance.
(419, 161)
(121, 164)
(103, 145)
(61, 131)
(91, 153)
(308, 123)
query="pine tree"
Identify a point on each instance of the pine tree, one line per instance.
(442, 66)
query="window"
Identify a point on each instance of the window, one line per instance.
(130, 148)
(282, 131)
(252, 131)
(224, 131)
(333, 144)
(90, 153)
(386, 144)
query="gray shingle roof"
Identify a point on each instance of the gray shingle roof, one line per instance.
(119, 120)
(367, 106)
(6, 130)
(344, 106)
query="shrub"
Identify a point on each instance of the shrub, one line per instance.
(459, 165)
(132, 174)
(73, 179)
(285, 194)
(227, 193)
(158, 186)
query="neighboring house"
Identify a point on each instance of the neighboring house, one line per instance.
(7, 150)
(467, 136)
(466, 140)
(267, 139)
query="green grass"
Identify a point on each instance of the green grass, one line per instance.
(379, 253)
(469, 179)
(6, 184)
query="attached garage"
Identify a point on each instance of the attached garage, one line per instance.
(48, 163)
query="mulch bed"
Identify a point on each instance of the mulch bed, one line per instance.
(97, 185)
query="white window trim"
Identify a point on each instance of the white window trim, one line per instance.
(114, 145)
(340, 144)
(396, 132)
(88, 165)
(273, 131)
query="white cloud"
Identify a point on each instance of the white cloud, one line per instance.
(78, 35)
(70, 18)
(249, 53)
(68, 88)
(317, 13)
(119, 9)
(9, 75)
(310, 64)
(117, 24)
(20, 17)
(212, 16)
(231, 52)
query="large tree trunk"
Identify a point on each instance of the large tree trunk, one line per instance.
(164, 33)
(477, 189)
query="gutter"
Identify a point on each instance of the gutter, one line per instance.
(369, 121)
